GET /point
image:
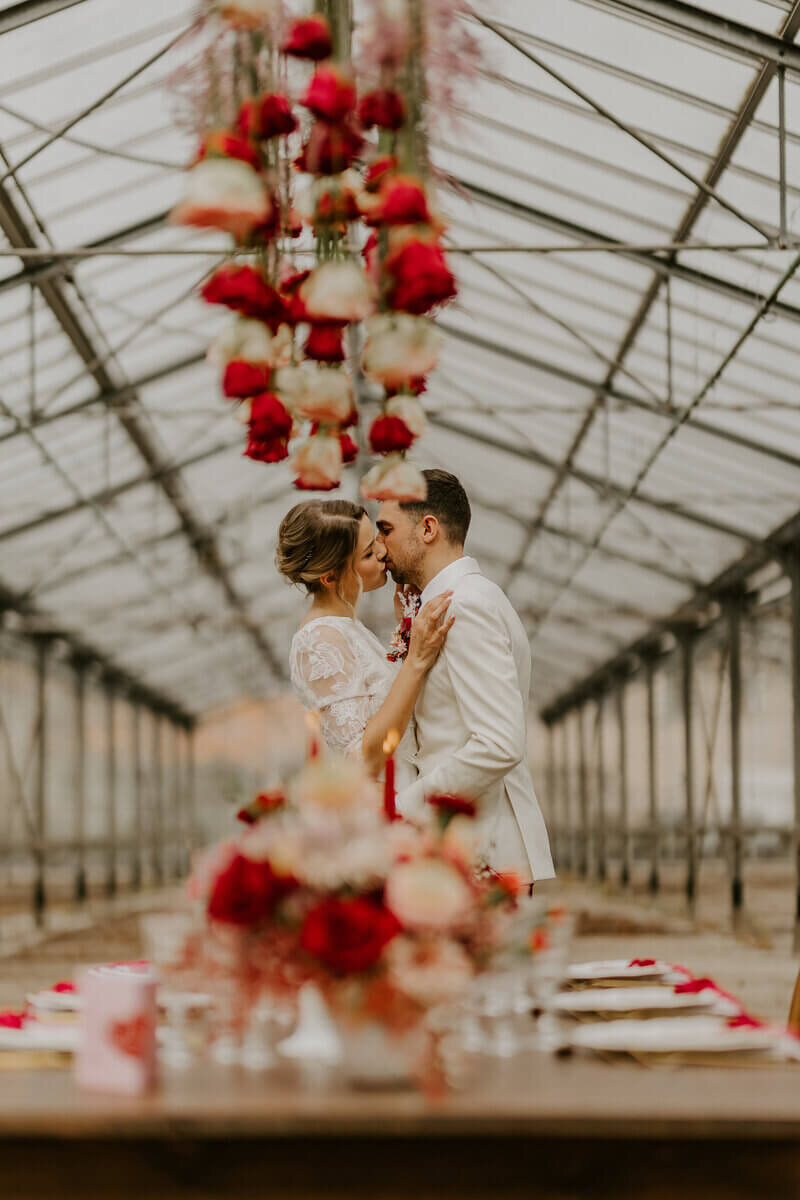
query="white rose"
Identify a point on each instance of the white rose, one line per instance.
(433, 972)
(223, 193)
(410, 412)
(316, 188)
(394, 479)
(317, 463)
(327, 396)
(400, 347)
(251, 341)
(337, 291)
(428, 893)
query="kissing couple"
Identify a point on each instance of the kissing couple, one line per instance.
(459, 695)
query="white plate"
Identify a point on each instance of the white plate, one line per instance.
(614, 968)
(36, 1036)
(702, 1035)
(631, 999)
(49, 1001)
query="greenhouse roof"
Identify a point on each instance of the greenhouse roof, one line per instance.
(618, 385)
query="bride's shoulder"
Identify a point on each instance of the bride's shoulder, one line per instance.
(315, 628)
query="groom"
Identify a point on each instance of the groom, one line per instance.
(471, 714)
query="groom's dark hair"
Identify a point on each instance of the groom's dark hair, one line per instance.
(447, 501)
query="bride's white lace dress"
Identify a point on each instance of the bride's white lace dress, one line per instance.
(340, 669)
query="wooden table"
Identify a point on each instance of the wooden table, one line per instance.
(535, 1127)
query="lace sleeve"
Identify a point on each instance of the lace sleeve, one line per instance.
(329, 676)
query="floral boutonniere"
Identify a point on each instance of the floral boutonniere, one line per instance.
(401, 638)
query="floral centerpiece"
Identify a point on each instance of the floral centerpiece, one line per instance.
(388, 919)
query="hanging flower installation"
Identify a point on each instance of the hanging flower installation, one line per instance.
(298, 153)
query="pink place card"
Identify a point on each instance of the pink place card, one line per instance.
(117, 1046)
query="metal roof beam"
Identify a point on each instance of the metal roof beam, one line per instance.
(732, 577)
(201, 539)
(83, 652)
(596, 482)
(106, 495)
(18, 15)
(663, 410)
(708, 28)
(663, 266)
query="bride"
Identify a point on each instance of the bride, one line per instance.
(338, 667)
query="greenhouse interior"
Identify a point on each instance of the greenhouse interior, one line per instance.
(615, 187)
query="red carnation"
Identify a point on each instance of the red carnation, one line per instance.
(245, 290)
(309, 37)
(221, 144)
(324, 343)
(389, 433)
(348, 935)
(451, 805)
(242, 379)
(268, 418)
(379, 170)
(273, 451)
(266, 116)
(382, 107)
(331, 93)
(246, 892)
(329, 149)
(403, 202)
(420, 277)
(349, 448)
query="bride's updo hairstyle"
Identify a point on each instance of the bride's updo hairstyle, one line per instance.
(316, 537)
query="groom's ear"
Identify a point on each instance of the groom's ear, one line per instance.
(430, 529)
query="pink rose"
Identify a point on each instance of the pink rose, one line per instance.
(317, 463)
(223, 193)
(337, 291)
(428, 893)
(394, 479)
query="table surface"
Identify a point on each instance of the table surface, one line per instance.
(533, 1095)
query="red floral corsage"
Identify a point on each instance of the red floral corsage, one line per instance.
(401, 638)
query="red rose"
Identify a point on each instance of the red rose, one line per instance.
(329, 149)
(382, 107)
(403, 202)
(309, 37)
(268, 418)
(273, 451)
(324, 343)
(452, 805)
(266, 116)
(295, 309)
(338, 204)
(378, 171)
(246, 892)
(221, 144)
(242, 379)
(244, 289)
(348, 935)
(349, 448)
(331, 93)
(389, 433)
(420, 278)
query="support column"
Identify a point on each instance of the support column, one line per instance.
(111, 793)
(551, 808)
(138, 792)
(624, 814)
(191, 791)
(79, 781)
(176, 815)
(40, 795)
(793, 569)
(565, 825)
(734, 615)
(600, 856)
(583, 797)
(687, 703)
(654, 882)
(157, 794)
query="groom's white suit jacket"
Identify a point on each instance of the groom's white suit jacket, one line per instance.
(472, 727)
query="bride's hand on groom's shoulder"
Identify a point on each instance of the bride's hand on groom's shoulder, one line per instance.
(430, 628)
